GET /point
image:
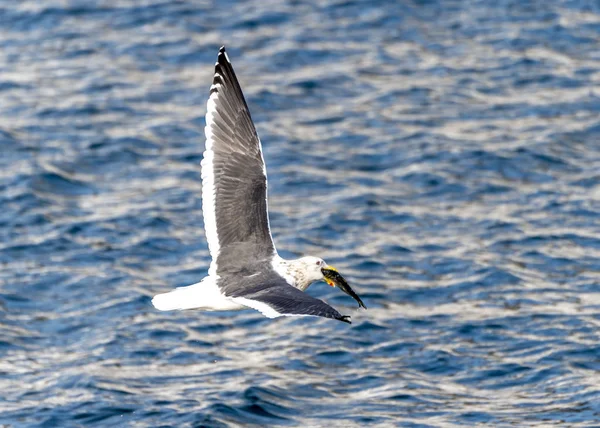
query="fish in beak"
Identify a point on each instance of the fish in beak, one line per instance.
(333, 278)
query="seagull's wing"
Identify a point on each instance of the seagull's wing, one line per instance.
(275, 298)
(234, 177)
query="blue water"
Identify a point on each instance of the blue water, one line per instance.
(443, 155)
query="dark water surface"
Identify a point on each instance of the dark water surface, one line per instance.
(444, 155)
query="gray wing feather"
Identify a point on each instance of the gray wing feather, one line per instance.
(284, 299)
(240, 180)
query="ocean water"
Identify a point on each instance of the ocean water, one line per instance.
(443, 155)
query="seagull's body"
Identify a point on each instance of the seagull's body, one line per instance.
(246, 271)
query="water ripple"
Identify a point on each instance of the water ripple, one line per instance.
(443, 155)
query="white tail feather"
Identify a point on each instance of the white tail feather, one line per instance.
(202, 295)
(180, 298)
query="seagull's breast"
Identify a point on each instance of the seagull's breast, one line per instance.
(283, 268)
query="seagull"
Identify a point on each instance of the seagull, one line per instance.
(246, 271)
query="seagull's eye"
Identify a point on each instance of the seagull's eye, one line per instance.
(319, 263)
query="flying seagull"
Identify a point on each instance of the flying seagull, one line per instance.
(245, 271)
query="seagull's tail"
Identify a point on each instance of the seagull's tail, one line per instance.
(202, 295)
(180, 298)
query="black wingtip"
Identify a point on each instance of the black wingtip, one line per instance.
(222, 57)
(345, 318)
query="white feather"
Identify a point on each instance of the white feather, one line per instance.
(202, 295)
(208, 187)
(281, 266)
(263, 308)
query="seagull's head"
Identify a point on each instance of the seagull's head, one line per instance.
(317, 270)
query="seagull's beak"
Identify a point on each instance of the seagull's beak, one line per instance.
(333, 278)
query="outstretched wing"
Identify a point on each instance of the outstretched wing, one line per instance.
(275, 298)
(234, 177)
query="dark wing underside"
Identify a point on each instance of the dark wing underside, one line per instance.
(274, 297)
(236, 190)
